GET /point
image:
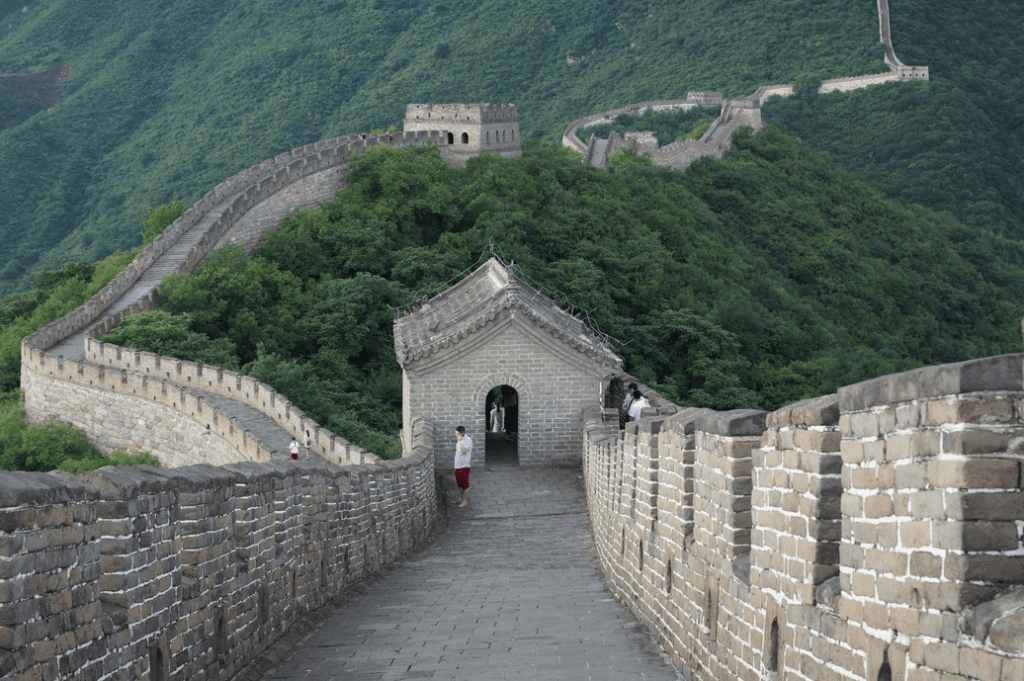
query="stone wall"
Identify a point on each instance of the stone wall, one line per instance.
(718, 140)
(141, 573)
(552, 387)
(571, 140)
(714, 143)
(471, 129)
(123, 405)
(873, 534)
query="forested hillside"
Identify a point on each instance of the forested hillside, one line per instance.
(163, 100)
(753, 281)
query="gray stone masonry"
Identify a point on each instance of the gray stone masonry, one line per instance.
(470, 129)
(492, 329)
(873, 534)
(512, 591)
(191, 573)
(735, 113)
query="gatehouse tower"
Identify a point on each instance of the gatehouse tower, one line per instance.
(471, 129)
(493, 336)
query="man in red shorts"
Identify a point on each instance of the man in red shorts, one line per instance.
(463, 456)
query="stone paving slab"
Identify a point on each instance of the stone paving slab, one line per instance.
(512, 591)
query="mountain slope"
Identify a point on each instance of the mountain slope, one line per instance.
(165, 100)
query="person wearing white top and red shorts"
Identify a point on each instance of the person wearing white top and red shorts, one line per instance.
(463, 456)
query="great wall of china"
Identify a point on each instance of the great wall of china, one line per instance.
(734, 114)
(875, 534)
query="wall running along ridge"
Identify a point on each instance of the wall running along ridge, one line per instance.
(876, 534)
(123, 405)
(735, 113)
(191, 572)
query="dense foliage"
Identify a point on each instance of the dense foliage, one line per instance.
(165, 100)
(753, 281)
(746, 282)
(55, 445)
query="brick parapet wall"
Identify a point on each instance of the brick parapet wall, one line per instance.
(797, 496)
(219, 210)
(239, 210)
(571, 140)
(152, 369)
(198, 569)
(911, 589)
(681, 154)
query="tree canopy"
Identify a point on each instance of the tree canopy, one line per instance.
(751, 281)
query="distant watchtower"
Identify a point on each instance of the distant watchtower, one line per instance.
(471, 129)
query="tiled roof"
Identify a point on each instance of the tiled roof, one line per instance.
(455, 314)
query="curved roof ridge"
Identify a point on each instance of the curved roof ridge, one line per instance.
(476, 301)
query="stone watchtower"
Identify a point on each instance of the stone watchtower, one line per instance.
(494, 336)
(471, 129)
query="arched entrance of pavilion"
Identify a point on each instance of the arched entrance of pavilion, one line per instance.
(502, 443)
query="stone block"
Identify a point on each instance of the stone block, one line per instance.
(924, 564)
(912, 475)
(976, 441)
(1007, 506)
(980, 664)
(852, 451)
(942, 656)
(915, 534)
(974, 473)
(989, 536)
(878, 506)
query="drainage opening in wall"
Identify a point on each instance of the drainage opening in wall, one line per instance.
(501, 414)
(772, 663)
(885, 671)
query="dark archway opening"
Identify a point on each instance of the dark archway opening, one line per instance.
(451, 138)
(465, 138)
(502, 419)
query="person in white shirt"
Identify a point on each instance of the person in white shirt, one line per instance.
(637, 406)
(463, 457)
(626, 403)
(294, 448)
(497, 419)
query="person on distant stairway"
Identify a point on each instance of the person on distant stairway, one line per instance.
(463, 456)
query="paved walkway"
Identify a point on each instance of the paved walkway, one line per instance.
(512, 591)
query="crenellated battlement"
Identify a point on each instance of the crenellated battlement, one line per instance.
(469, 129)
(460, 113)
(866, 535)
(718, 139)
(191, 573)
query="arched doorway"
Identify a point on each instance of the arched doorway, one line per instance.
(502, 441)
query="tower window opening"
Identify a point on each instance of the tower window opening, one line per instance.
(465, 138)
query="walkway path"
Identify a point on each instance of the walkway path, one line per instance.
(511, 591)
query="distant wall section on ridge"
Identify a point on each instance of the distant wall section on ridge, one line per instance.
(736, 113)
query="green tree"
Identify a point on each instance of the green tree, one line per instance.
(160, 219)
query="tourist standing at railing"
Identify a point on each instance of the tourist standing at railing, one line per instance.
(637, 406)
